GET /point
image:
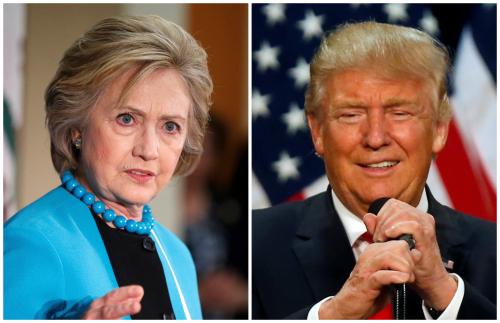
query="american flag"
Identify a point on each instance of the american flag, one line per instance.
(284, 38)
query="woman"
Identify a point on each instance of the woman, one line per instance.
(126, 111)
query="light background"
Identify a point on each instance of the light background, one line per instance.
(50, 30)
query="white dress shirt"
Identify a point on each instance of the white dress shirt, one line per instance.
(354, 227)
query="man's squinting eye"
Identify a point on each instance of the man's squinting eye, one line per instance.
(125, 119)
(400, 114)
(171, 126)
(350, 117)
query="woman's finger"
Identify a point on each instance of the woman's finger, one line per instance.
(117, 311)
(134, 292)
(113, 311)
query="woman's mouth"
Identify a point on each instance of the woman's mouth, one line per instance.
(140, 175)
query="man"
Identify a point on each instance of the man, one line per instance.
(378, 113)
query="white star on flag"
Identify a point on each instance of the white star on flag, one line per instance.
(429, 23)
(396, 11)
(274, 12)
(311, 25)
(267, 57)
(300, 73)
(286, 167)
(295, 119)
(260, 104)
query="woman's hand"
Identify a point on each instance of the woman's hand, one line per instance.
(116, 304)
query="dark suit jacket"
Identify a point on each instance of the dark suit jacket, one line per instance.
(301, 254)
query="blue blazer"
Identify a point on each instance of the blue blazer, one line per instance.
(56, 264)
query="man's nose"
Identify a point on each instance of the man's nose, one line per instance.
(375, 134)
(147, 145)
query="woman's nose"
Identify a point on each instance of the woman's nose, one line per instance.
(147, 144)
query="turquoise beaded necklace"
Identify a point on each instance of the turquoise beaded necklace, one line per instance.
(99, 208)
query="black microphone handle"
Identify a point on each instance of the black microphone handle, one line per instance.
(398, 290)
(409, 239)
(399, 301)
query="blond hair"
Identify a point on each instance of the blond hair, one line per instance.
(393, 51)
(105, 52)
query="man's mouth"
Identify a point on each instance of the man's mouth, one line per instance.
(382, 164)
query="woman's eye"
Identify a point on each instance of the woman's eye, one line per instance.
(125, 119)
(171, 126)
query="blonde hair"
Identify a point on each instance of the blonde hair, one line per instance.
(105, 52)
(393, 51)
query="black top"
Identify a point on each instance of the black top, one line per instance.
(135, 261)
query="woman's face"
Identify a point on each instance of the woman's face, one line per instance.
(130, 151)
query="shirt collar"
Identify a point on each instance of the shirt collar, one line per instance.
(354, 226)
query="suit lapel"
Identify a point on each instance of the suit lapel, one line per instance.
(449, 235)
(322, 248)
(450, 241)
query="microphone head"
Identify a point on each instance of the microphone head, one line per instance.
(377, 205)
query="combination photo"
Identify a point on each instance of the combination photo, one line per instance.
(249, 161)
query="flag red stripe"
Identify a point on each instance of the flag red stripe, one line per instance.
(299, 196)
(465, 179)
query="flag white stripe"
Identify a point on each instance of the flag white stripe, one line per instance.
(474, 105)
(260, 199)
(437, 186)
(318, 186)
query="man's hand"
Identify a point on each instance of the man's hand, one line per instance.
(116, 304)
(432, 281)
(365, 292)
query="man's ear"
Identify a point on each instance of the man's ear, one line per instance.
(440, 136)
(316, 133)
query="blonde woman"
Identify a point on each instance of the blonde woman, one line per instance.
(126, 112)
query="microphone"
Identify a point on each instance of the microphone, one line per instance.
(398, 291)
(375, 208)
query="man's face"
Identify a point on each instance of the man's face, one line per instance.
(377, 137)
